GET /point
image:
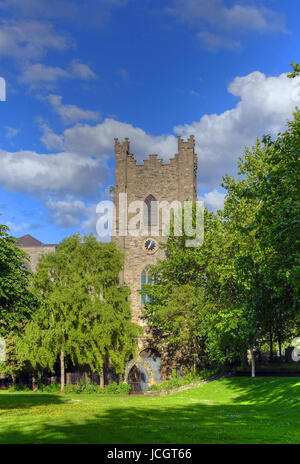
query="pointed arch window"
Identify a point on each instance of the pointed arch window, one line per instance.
(145, 279)
(150, 211)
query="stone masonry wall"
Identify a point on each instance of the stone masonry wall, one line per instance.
(171, 181)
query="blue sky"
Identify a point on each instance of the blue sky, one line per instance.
(79, 73)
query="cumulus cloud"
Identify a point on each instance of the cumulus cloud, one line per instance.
(71, 113)
(73, 177)
(217, 22)
(38, 74)
(51, 140)
(265, 105)
(81, 70)
(71, 212)
(213, 200)
(82, 13)
(214, 42)
(67, 212)
(20, 227)
(30, 39)
(97, 140)
(61, 173)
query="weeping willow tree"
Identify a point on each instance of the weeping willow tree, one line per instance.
(83, 314)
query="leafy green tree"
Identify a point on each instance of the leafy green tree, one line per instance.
(247, 269)
(84, 313)
(16, 300)
(296, 70)
(194, 305)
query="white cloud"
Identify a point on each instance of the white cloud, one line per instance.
(38, 74)
(11, 132)
(51, 140)
(66, 213)
(265, 105)
(217, 22)
(29, 39)
(214, 42)
(72, 212)
(81, 70)
(71, 113)
(98, 140)
(74, 176)
(85, 13)
(60, 174)
(213, 200)
(216, 13)
(16, 228)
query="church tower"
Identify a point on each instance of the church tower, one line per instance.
(149, 182)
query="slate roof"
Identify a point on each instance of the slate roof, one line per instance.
(29, 241)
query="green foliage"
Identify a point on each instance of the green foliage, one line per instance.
(116, 389)
(83, 311)
(241, 287)
(16, 300)
(52, 388)
(19, 387)
(110, 389)
(296, 70)
(178, 380)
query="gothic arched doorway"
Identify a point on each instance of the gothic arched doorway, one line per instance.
(153, 359)
(143, 371)
(138, 379)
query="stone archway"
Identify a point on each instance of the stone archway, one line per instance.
(140, 365)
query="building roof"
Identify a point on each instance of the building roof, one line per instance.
(29, 241)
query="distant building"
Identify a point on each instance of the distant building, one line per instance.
(34, 248)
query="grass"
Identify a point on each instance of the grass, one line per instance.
(230, 410)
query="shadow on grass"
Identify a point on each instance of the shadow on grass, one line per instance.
(264, 390)
(27, 400)
(271, 415)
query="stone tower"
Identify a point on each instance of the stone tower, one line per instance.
(151, 180)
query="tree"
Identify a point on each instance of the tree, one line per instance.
(83, 313)
(296, 70)
(17, 302)
(190, 307)
(247, 269)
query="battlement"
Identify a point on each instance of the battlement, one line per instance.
(189, 144)
(184, 147)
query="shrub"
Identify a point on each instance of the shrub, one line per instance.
(51, 388)
(177, 380)
(19, 387)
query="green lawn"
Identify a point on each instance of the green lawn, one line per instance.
(231, 410)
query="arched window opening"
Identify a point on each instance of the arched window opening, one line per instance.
(145, 279)
(150, 211)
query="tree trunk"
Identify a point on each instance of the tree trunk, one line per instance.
(280, 348)
(34, 384)
(271, 346)
(102, 379)
(62, 371)
(252, 363)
